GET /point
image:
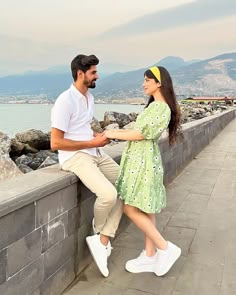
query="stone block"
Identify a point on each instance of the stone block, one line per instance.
(87, 211)
(85, 193)
(3, 264)
(73, 220)
(82, 249)
(55, 204)
(58, 255)
(23, 252)
(59, 281)
(25, 281)
(55, 231)
(16, 225)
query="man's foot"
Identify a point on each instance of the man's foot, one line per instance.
(142, 263)
(166, 258)
(109, 247)
(99, 253)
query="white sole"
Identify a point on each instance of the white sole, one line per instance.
(147, 269)
(169, 264)
(96, 259)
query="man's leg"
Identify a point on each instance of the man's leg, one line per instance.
(110, 169)
(86, 168)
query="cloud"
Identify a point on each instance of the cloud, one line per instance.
(187, 14)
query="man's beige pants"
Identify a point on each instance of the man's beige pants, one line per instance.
(99, 175)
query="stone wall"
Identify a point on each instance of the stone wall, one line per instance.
(45, 216)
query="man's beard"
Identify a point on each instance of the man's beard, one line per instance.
(90, 84)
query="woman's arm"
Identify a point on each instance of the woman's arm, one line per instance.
(124, 134)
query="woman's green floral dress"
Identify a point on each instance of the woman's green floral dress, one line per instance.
(140, 182)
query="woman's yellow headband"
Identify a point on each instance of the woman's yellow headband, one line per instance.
(156, 72)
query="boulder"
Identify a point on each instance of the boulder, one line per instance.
(35, 139)
(115, 117)
(8, 168)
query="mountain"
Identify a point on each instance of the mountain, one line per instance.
(214, 76)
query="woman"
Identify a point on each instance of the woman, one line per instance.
(140, 182)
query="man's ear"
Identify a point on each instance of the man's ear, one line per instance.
(80, 74)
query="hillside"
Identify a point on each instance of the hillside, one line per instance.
(212, 77)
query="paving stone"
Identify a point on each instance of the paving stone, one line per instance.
(89, 288)
(149, 282)
(185, 219)
(195, 203)
(204, 189)
(199, 277)
(23, 252)
(11, 231)
(182, 237)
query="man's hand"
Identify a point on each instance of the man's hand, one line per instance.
(100, 140)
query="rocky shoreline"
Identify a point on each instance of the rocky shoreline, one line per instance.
(30, 150)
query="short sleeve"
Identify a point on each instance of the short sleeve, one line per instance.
(153, 120)
(61, 114)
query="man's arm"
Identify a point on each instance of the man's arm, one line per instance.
(58, 142)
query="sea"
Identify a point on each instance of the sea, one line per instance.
(16, 118)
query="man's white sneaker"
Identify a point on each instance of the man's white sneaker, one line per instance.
(109, 247)
(99, 253)
(166, 258)
(142, 263)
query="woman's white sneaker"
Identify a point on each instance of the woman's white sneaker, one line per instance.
(166, 259)
(142, 263)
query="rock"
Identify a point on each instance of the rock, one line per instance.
(48, 162)
(133, 116)
(112, 126)
(35, 139)
(95, 125)
(25, 160)
(115, 117)
(129, 126)
(8, 168)
(25, 168)
(16, 148)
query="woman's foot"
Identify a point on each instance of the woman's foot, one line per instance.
(142, 263)
(166, 259)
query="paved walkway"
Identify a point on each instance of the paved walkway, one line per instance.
(200, 218)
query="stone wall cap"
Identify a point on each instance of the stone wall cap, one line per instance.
(22, 190)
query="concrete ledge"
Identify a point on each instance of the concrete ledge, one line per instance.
(45, 215)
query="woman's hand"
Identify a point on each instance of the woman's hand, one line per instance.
(109, 134)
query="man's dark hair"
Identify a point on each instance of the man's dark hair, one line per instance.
(82, 62)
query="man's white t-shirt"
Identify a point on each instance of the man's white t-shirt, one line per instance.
(73, 115)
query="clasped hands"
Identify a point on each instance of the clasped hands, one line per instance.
(103, 138)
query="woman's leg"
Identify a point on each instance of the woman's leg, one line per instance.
(145, 224)
(149, 245)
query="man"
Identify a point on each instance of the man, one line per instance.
(79, 152)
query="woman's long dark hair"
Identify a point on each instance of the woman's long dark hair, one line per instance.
(167, 91)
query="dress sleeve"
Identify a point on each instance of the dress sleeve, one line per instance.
(153, 121)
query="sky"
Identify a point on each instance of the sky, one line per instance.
(36, 35)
